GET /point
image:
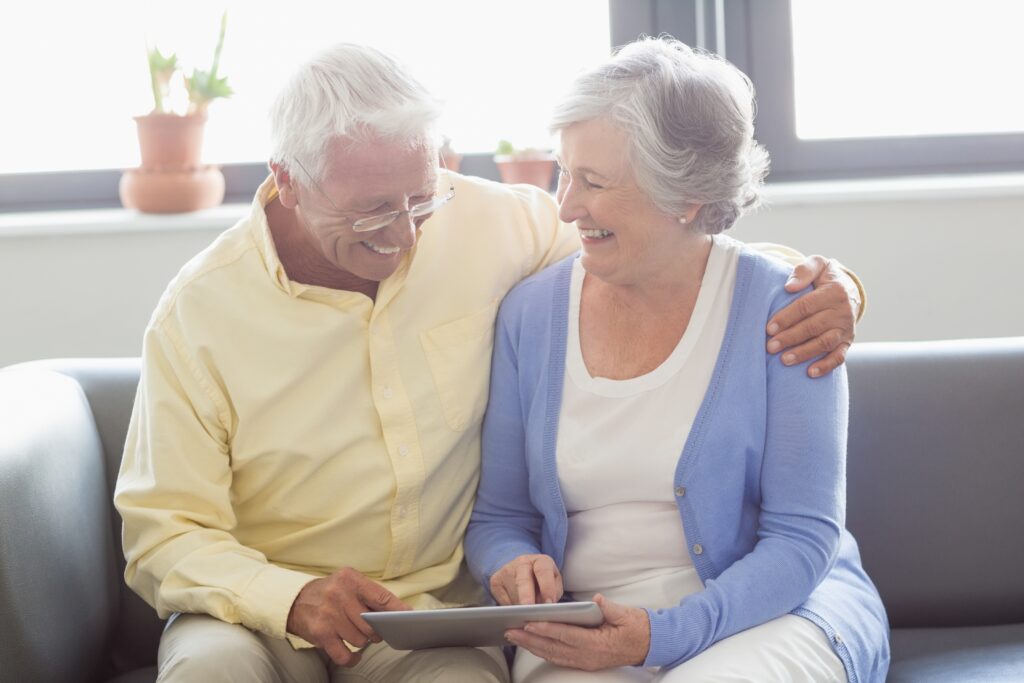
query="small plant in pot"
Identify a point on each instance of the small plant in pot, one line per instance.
(172, 178)
(449, 157)
(532, 166)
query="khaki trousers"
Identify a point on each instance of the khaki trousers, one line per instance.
(197, 647)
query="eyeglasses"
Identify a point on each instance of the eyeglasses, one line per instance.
(371, 223)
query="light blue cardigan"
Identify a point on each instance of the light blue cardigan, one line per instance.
(760, 483)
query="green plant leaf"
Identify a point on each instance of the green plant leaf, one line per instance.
(204, 87)
(160, 64)
(161, 70)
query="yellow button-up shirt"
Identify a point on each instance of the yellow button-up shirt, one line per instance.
(282, 431)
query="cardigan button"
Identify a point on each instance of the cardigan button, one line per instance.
(680, 491)
(838, 639)
(698, 549)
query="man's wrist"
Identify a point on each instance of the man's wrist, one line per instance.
(857, 295)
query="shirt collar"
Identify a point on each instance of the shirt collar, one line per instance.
(264, 240)
(260, 230)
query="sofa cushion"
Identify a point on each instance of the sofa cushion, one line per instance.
(143, 675)
(935, 465)
(994, 654)
(58, 577)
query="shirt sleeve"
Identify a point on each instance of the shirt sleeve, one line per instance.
(504, 524)
(795, 258)
(553, 240)
(174, 495)
(802, 512)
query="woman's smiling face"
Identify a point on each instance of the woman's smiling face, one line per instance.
(625, 237)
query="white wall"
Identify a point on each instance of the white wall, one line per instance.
(85, 294)
(934, 269)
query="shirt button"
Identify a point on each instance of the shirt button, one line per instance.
(386, 393)
(401, 512)
(402, 450)
(680, 491)
(698, 549)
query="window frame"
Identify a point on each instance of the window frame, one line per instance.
(98, 189)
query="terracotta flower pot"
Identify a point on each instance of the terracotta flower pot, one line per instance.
(451, 160)
(166, 191)
(171, 179)
(170, 141)
(532, 171)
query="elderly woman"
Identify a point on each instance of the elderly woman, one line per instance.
(640, 448)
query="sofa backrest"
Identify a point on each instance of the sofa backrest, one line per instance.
(935, 467)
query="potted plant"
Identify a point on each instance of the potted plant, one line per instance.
(449, 157)
(172, 178)
(532, 166)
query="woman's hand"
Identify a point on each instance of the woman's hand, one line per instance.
(821, 322)
(622, 640)
(527, 580)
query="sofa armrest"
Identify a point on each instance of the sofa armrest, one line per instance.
(58, 580)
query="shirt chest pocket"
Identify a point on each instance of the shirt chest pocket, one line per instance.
(459, 356)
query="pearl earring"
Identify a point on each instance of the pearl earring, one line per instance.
(682, 219)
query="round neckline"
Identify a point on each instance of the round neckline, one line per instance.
(668, 368)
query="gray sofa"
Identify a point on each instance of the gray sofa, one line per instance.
(936, 499)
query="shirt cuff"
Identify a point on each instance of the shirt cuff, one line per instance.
(267, 600)
(860, 290)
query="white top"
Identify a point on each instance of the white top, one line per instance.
(619, 442)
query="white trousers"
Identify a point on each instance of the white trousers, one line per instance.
(786, 649)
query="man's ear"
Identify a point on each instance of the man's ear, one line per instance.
(285, 188)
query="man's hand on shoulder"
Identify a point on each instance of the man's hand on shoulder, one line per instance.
(327, 612)
(821, 322)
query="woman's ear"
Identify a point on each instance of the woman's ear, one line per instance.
(690, 215)
(285, 189)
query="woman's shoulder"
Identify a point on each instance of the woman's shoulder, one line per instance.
(764, 265)
(763, 276)
(536, 292)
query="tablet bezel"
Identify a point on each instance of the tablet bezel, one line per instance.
(473, 626)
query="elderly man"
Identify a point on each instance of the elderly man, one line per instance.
(305, 440)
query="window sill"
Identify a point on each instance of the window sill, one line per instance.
(910, 188)
(112, 221)
(924, 188)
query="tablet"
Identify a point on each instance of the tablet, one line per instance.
(473, 626)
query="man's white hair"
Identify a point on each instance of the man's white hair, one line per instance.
(689, 122)
(349, 91)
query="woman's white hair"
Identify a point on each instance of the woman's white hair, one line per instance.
(689, 121)
(352, 91)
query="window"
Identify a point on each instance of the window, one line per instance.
(496, 66)
(855, 88)
(846, 88)
(912, 74)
